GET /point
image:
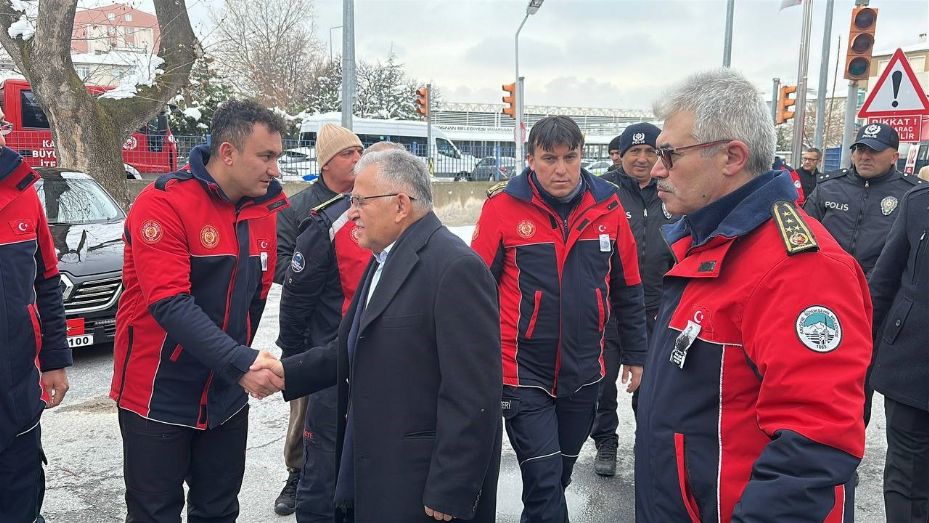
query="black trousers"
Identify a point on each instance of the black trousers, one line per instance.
(316, 490)
(607, 421)
(547, 435)
(22, 478)
(159, 458)
(906, 469)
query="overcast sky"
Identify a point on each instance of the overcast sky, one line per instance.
(592, 53)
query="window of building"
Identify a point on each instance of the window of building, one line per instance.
(111, 16)
(127, 17)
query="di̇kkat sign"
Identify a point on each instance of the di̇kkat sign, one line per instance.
(897, 99)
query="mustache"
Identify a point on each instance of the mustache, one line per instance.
(665, 187)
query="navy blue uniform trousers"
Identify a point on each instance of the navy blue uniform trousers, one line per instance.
(547, 435)
(316, 489)
(22, 479)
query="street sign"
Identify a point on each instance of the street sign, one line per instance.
(909, 127)
(897, 91)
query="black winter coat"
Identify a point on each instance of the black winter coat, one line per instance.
(289, 220)
(858, 211)
(426, 382)
(900, 294)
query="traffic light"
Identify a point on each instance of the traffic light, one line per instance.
(784, 103)
(510, 100)
(422, 101)
(860, 43)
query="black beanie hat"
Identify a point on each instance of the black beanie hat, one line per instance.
(614, 144)
(637, 134)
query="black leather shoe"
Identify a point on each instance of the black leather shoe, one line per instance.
(605, 464)
(286, 503)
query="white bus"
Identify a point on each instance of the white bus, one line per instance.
(446, 159)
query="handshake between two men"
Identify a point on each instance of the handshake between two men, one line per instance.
(264, 377)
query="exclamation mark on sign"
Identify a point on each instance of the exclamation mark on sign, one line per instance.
(896, 78)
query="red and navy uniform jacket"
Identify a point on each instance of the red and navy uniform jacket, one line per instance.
(798, 184)
(32, 318)
(763, 420)
(324, 272)
(196, 271)
(559, 281)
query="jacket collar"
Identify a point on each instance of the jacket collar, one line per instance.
(736, 214)
(196, 165)
(15, 176)
(520, 187)
(891, 174)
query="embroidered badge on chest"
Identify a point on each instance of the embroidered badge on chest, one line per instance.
(526, 229)
(888, 204)
(356, 235)
(151, 231)
(209, 237)
(819, 329)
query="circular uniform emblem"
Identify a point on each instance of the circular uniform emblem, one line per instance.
(209, 236)
(526, 229)
(638, 138)
(151, 231)
(818, 329)
(356, 235)
(799, 239)
(297, 263)
(872, 130)
(888, 204)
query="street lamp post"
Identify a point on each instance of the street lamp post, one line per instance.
(330, 40)
(531, 9)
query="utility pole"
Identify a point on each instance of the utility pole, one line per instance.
(348, 61)
(727, 44)
(819, 137)
(776, 84)
(800, 108)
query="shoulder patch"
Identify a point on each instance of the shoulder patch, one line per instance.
(496, 189)
(328, 202)
(819, 329)
(793, 228)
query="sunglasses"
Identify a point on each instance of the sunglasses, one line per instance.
(666, 154)
(5, 128)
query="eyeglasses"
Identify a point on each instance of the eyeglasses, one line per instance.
(5, 128)
(359, 201)
(666, 153)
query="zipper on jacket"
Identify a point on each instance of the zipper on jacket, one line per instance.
(537, 304)
(202, 415)
(861, 208)
(122, 381)
(919, 250)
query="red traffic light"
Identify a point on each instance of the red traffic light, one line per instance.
(784, 103)
(422, 101)
(510, 100)
(860, 43)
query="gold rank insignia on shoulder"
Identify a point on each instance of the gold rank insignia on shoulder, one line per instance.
(794, 230)
(496, 189)
(328, 202)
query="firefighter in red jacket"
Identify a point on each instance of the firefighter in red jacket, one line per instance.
(750, 407)
(557, 240)
(33, 343)
(199, 260)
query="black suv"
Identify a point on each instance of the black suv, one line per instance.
(87, 225)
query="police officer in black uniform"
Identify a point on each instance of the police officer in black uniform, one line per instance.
(900, 293)
(859, 205)
(646, 215)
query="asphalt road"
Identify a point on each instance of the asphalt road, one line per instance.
(85, 482)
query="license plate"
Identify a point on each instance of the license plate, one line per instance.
(80, 341)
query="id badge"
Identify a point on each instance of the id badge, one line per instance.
(683, 342)
(264, 261)
(605, 243)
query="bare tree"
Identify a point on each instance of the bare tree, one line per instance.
(267, 49)
(88, 131)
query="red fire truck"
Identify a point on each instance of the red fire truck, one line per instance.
(151, 149)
